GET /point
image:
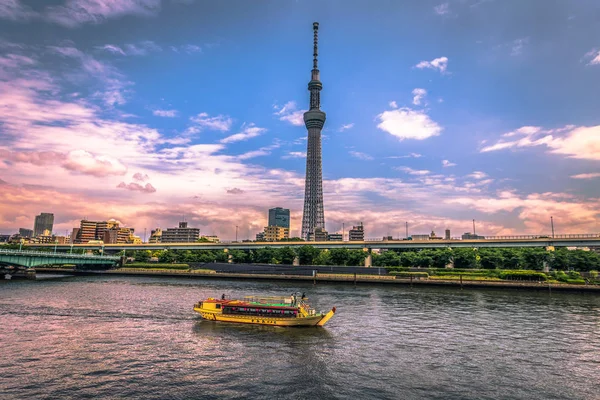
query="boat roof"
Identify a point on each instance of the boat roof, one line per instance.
(242, 303)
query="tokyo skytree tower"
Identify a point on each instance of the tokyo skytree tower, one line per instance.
(314, 119)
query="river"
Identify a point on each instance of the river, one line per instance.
(136, 337)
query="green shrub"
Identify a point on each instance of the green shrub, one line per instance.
(157, 265)
(576, 281)
(523, 275)
(593, 274)
(405, 274)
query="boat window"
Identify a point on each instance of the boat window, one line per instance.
(218, 306)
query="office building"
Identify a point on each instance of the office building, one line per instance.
(318, 235)
(447, 236)
(44, 221)
(26, 232)
(279, 217)
(181, 234)
(420, 237)
(357, 233)
(155, 236)
(260, 236)
(469, 235)
(335, 237)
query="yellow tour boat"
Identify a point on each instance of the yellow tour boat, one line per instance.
(278, 311)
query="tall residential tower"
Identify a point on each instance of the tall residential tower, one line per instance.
(314, 119)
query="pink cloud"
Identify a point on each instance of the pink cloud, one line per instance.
(148, 188)
(138, 176)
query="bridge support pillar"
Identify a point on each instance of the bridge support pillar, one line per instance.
(546, 267)
(369, 260)
(229, 259)
(296, 262)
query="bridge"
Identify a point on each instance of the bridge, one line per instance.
(590, 240)
(29, 259)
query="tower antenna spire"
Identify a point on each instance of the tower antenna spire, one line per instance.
(315, 45)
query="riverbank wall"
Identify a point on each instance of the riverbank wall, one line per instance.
(354, 279)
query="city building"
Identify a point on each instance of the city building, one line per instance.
(181, 234)
(420, 237)
(433, 236)
(4, 238)
(260, 236)
(44, 221)
(313, 216)
(155, 236)
(335, 237)
(117, 235)
(447, 236)
(210, 238)
(357, 233)
(279, 217)
(275, 233)
(318, 235)
(26, 232)
(469, 235)
(105, 231)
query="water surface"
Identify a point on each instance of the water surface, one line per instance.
(108, 337)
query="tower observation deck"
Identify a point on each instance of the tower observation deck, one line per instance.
(314, 119)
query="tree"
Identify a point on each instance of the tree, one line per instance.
(535, 258)
(441, 258)
(338, 256)
(263, 256)
(464, 258)
(142, 255)
(356, 257)
(324, 258)
(423, 259)
(386, 259)
(491, 258)
(285, 255)
(513, 258)
(408, 259)
(167, 256)
(239, 256)
(307, 255)
(221, 256)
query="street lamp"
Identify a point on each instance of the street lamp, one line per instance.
(71, 252)
(20, 244)
(55, 245)
(102, 251)
(236, 230)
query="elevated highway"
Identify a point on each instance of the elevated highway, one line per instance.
(583, 241)
(29, 259)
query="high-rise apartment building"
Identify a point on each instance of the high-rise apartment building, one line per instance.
(44, 221)
(26, 233)
(279, 217)
(275, 233)
(181, 234)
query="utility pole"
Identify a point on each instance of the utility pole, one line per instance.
(552, 224)
(407, 229)
(474, 228)
(236, 229)
(342, 231)
(144, 235)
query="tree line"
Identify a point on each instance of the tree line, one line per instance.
(463, 258)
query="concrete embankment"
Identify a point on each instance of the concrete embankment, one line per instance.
(338, 278)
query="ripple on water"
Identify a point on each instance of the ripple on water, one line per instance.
(89, 337)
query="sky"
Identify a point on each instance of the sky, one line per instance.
(438, 113)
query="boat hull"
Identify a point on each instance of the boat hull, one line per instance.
(259, 320)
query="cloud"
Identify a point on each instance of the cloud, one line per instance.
(148, 188)
(165, 113)
(411, 171)
(204, 121)
(411, 155)
(247, 133)
(575, 142)
(593, 56)
(405, 123)
(418, 94)
(442, 9)
(86, 163)
(393, 104)
(77, 12)
(263, 151)
(446, 163)
(235, 191)
(112, 49)
(289, 113)
(14, 10)
(138, 176)
(440, 64)
(346, 127)
(592, 175)
(517, 46)
(295, 154)
(360, 156)
(477, 175)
